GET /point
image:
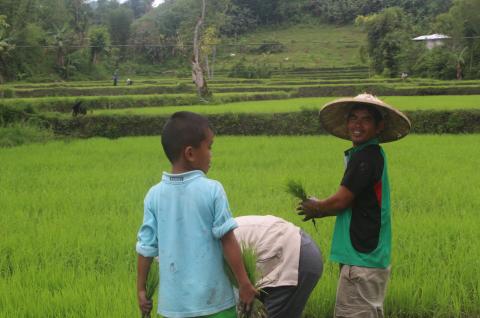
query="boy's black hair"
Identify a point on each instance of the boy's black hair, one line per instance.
(372, 110)
(183, 129)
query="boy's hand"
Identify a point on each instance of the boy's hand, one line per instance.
(309, 208)
(247, 294)
(144, 304)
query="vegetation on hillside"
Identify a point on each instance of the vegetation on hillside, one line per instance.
(75, 39)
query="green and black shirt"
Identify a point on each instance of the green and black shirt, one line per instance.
(362, 234)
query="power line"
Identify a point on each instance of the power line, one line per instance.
(190, 45)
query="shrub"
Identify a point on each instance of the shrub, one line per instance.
(7, 93)
(22, 133)
(242, 70)
(304, 122)
(11, 114)
(268, 47)
(436, 63)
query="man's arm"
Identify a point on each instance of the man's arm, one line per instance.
(331, 206)
(233, 255)
(143, 267)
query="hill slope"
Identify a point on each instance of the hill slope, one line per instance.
(304, 46)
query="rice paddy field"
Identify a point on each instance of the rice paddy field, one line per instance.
(70, 208)
(70, 211)
(447, 102)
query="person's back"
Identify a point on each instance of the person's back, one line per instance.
(288, 262)
(188, 225)
(185, 206)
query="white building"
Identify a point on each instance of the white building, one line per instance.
(432, 40)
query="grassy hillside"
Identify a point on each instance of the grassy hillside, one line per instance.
(308, 46)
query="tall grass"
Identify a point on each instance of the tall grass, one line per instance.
(23, 133)
(70, 211)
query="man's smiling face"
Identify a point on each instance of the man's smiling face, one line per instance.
(362, 127)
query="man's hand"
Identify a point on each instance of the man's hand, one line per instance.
(309, 208)
(247, 294)
(144, 304)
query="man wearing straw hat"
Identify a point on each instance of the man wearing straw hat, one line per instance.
(361, 241)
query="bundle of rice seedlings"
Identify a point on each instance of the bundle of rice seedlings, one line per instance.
(296, 189)
(152, 283)
(249, 257)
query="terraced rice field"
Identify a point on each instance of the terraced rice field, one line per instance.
(70, 209)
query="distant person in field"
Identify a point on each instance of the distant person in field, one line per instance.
(115, 77)
(362, 236)
(78, 109)
(129, 82)
(288, 260)
(187, 223)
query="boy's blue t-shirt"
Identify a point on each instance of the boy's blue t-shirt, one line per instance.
(185, 215)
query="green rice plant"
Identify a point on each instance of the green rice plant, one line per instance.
(152, 283)
(296, 189)
(62, 186)
(17, 134)
(249, 258)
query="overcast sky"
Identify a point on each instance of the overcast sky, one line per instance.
(155, 3)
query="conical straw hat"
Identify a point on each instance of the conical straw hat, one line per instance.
(333, 117)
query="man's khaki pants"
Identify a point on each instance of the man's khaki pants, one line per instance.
(361, 291)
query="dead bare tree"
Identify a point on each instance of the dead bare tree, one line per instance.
(198, 76)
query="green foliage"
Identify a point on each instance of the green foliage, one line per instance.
(7, 93)
(119, 22)
(296, 189)
(99, 43)
(436, 63)
(242, 70)
(388, 32)
(22, 133)
(462, 23)
(249, 258)
(268, 47)
(10, 114)
(304, 122)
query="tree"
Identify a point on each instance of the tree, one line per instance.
(139, 7)
(6, 45)
(462, 24)
(60, 39)
(208, 47)
(197, 67)
(387, 36)
(460, 62)
(99, 43)
(119, 22)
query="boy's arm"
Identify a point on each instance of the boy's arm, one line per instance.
(233, 255)
(331, 206)
(143, 267)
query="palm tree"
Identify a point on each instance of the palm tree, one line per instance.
(59, 41)
(459, 63)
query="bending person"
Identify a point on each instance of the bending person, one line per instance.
(289, 261)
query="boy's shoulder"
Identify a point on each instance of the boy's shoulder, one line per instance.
(201, 183)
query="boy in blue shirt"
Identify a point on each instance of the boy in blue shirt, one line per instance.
(188, 225)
